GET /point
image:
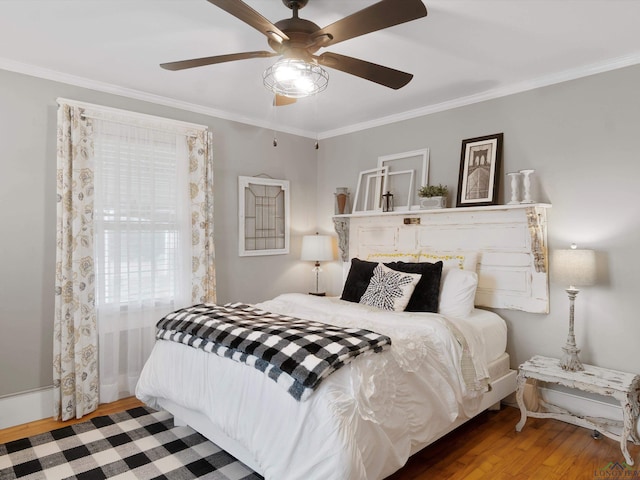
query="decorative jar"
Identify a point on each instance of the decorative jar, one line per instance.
(342, 201)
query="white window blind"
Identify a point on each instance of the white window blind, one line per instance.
(142, 212)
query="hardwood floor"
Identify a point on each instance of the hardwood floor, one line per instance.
(48, 424)
(487, 448)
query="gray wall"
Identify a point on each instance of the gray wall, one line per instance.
(581, 137)
(27, 219)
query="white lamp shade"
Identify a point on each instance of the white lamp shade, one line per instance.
(575, 267)
(317, 248)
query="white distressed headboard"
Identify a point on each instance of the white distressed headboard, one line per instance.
(511, 241)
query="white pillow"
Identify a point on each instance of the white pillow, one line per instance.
(389, 289)
(457, 259)
(457, 292)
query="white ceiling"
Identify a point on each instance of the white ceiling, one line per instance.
(463, 51)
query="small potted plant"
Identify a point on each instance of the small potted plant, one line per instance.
(433, 196)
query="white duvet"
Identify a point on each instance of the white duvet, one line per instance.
(363, 422)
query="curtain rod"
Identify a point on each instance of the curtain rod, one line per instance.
(127, 117)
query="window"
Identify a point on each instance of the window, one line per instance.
(134, 241)
(141, 216)
(143, 239)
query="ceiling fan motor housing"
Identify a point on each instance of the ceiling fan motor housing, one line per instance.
(301, 44)
(295, 4)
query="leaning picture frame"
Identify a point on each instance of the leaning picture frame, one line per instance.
(480, 161)
(409, 182)
(368, 196)
(401, 186)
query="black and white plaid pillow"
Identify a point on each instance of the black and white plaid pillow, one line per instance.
(389, 289)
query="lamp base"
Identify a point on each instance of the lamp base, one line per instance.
(318, 294)
(570, 360)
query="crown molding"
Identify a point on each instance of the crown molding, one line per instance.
(567, 75)
(35, 71)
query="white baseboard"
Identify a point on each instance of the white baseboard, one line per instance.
(26, 407)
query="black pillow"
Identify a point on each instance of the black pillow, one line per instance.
(358, 279)
(425, 295)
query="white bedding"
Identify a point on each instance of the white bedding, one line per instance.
(491, 329)
(364, 421)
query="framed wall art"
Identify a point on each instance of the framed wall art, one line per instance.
(480, 162)
(263, 214)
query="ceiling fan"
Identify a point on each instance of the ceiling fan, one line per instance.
(297, 40)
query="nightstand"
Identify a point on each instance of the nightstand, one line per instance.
(624, 387)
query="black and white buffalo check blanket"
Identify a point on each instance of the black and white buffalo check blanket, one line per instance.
(297, 354)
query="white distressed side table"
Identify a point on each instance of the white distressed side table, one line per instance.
(624, 387)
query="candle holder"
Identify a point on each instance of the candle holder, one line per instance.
(515, 187)
(526, 183)
(387, 202)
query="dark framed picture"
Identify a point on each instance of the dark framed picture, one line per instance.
(480, 161)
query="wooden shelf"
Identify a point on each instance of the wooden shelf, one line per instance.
(421, 211)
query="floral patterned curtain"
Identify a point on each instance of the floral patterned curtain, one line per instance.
(76, 335)
(201, 186)
(75, 349)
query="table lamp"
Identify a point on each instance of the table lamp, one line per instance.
(317, 248)
(574, 267)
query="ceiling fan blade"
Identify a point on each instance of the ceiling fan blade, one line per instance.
(383, 14)
(200, 62)
(386, 76)
(281, 100)
(248, 15)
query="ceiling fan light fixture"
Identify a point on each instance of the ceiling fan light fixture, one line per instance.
(295, 78)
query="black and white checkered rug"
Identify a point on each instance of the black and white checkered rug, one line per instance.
(137, 444)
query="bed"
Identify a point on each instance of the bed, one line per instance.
(368, 417)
